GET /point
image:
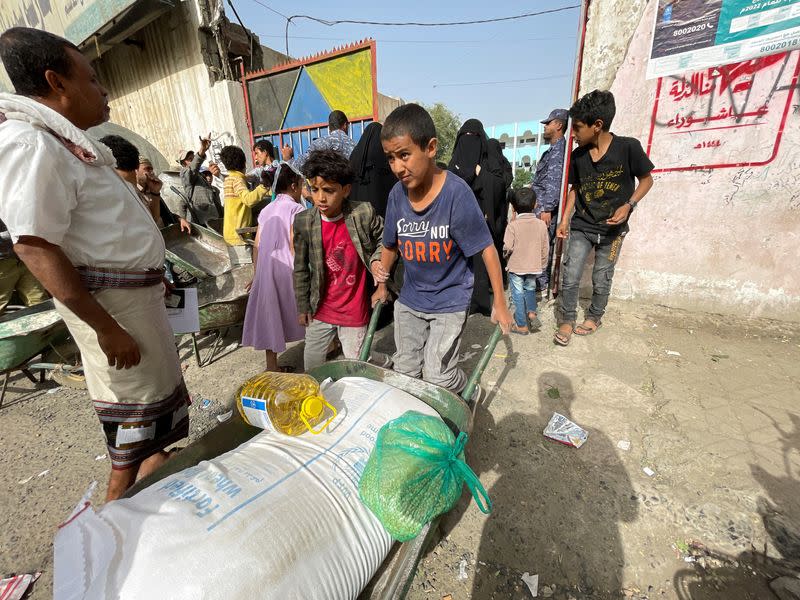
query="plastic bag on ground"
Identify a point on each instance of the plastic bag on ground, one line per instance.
(416, 473)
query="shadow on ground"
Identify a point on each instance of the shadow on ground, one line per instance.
(578, 496)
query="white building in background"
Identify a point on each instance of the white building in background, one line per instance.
(522, 142)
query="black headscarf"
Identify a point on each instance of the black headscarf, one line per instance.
(498, 163)
(374, 179)
(469, 151)
(472, 148)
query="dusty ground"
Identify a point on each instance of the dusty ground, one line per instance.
(719, 424)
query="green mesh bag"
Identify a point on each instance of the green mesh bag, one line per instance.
(416, 473)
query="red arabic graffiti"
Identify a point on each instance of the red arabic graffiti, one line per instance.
(725, 112)
(708, 144)
(721, 79)
(724, 116)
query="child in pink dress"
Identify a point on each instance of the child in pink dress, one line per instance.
(271, 318)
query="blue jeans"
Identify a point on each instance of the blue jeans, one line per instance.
(523, 296)
(606, 253)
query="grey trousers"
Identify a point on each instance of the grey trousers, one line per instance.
(427, 346)
(319, 335)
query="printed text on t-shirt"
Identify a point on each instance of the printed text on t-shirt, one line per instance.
(438, 248)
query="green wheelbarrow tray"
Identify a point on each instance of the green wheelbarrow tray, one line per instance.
(394, 576)
(202, 253)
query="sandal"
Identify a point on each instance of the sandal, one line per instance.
(535, 323)
(583, 330)
(562, 338)
(519, 330)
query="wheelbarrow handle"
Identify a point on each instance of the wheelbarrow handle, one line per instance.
(366, 347)
(473, 380)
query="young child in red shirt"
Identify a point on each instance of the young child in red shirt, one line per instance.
(334, 243)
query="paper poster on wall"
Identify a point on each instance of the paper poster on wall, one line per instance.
(695, 34)
(727, 116)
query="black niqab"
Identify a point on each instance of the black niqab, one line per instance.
(473, 148)
(373, 177)
(469, 151)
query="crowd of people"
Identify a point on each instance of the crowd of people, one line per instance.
(333, 223)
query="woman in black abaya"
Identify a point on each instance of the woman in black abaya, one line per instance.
(478, 164)
(374, 179)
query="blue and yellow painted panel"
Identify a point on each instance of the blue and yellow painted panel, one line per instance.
(346, 82)
(293, 103)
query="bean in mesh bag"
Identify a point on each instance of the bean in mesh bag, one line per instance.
(415, 473)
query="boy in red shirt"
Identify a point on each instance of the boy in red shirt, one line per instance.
(334, 242)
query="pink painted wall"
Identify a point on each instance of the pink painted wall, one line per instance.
(720, 231)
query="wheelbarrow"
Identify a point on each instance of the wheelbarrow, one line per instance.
(25, 334)
(394, 576)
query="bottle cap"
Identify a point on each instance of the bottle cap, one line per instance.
(312, 407)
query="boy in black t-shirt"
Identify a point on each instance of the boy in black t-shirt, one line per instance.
(603, 194)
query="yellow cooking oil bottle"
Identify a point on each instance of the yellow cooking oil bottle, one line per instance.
(284, 402)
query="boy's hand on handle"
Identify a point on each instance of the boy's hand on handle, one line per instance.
(620, 215)
(502, 316)
(120, 348)
(380, 274)
(562, 230)
(381, 295)
(304, 319)
(185, 227)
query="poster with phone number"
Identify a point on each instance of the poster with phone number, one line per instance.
(695, 34)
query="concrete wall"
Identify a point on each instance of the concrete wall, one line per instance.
(163, 88)
(714, 238)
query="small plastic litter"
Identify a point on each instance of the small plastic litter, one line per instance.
(532, 581)
(24, 481)
(52, 391)
(648, 471)
(564, 431)
(225, 416)
(476, 346)
(205, 403)
(100, 457)
(462, 570)
(466, 356)
(673, 353)
(14, 588)
(43, 473)
(624, 445)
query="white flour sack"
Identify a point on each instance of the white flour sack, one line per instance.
(277, 518)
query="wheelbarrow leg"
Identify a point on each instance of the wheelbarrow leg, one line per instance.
(196, 350)
(29, 375)
(5, 385)
(215, 347)
(42, 373)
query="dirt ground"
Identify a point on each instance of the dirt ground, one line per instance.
(710, 404)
